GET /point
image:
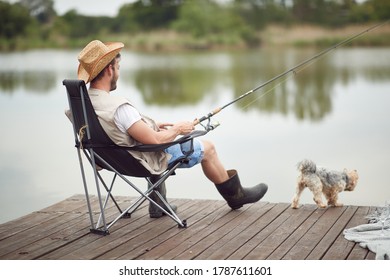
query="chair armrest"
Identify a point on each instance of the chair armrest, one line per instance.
(158, 147)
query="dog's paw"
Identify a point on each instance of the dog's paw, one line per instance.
(294, 206)
(338, 204)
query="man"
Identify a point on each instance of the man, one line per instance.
(100, 65)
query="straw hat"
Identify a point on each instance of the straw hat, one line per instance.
(94, 57)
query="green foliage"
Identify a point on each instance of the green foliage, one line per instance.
(146, 15)
(205, 18)
(16, 25)
(78, 26)
(198, 18)
(322, 12)
(258, 13)
(14, 20)
(380, 9)
(203, 23)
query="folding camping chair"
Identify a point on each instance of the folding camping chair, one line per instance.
(102, 152)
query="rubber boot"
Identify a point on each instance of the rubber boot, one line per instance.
(235, 195)
(154, 211)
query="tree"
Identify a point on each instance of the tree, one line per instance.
(322, 12)
(79, 26)
(14, 20)
(206, 17)
(259, 13)
(42, 10)
(147, 14)
(381, 8)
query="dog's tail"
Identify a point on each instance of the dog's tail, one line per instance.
(307, 166)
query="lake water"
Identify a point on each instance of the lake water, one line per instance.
(335, 112)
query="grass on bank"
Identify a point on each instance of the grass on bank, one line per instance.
(167, 40)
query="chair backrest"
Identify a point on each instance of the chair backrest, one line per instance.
(85, 119)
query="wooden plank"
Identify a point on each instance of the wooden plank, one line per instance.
(192, 245)
(174, 246)
(66, 228)
(370, 256)
(72, 238)
(254, 221)
(341, 248)
(284, 248)
(65, 233)
(357, 252)
(149, 231)
(37, 247)
(200, 209)
(258, 231)
(231, 221)
(293, 219)
(197, 223)
(228, 243)
(131, 238)
(86, 247)
(302, 249)
(16, 242)
(31, 220)
(331, 235)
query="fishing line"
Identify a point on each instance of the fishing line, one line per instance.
(293, 70)
(288, 77)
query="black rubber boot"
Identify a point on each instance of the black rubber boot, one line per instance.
(154, 211)
(235, 195)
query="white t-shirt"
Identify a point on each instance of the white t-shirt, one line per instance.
(125, 116)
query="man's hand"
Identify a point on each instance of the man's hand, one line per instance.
(184, 127)
(164, 126)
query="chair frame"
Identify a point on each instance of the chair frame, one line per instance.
(86, 142)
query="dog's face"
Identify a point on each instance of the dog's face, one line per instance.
(352, 180)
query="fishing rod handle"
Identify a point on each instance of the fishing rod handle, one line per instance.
(209, 115)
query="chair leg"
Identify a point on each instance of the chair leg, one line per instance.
(154, 211)
(102, 227)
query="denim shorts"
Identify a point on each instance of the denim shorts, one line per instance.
(177, 150)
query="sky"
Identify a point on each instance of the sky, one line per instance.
(93, 7)
(90, 7)
(97, 7)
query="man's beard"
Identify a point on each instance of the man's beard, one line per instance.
(113, 84)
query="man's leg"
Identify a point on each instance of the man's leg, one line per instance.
(212, 166)
(227, 182)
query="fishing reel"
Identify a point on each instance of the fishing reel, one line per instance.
(210, 125)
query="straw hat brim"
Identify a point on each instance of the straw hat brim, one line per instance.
(101, 63)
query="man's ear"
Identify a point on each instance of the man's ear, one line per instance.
(109, 70)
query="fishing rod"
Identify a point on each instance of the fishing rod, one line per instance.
(210, 126)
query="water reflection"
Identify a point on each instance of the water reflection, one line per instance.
(304, 93)
(38, 82)
(325, 112)
(186, 79)
(173, 87)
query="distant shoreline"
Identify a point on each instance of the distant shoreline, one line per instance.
(271, 36)
(301, 35)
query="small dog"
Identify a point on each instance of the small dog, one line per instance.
(320, 180)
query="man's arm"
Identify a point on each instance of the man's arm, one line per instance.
(141, 132)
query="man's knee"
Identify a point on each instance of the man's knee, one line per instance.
(209, 149)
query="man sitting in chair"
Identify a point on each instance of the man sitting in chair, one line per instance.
(99, 66)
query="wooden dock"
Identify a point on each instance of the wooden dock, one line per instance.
(260, 231)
